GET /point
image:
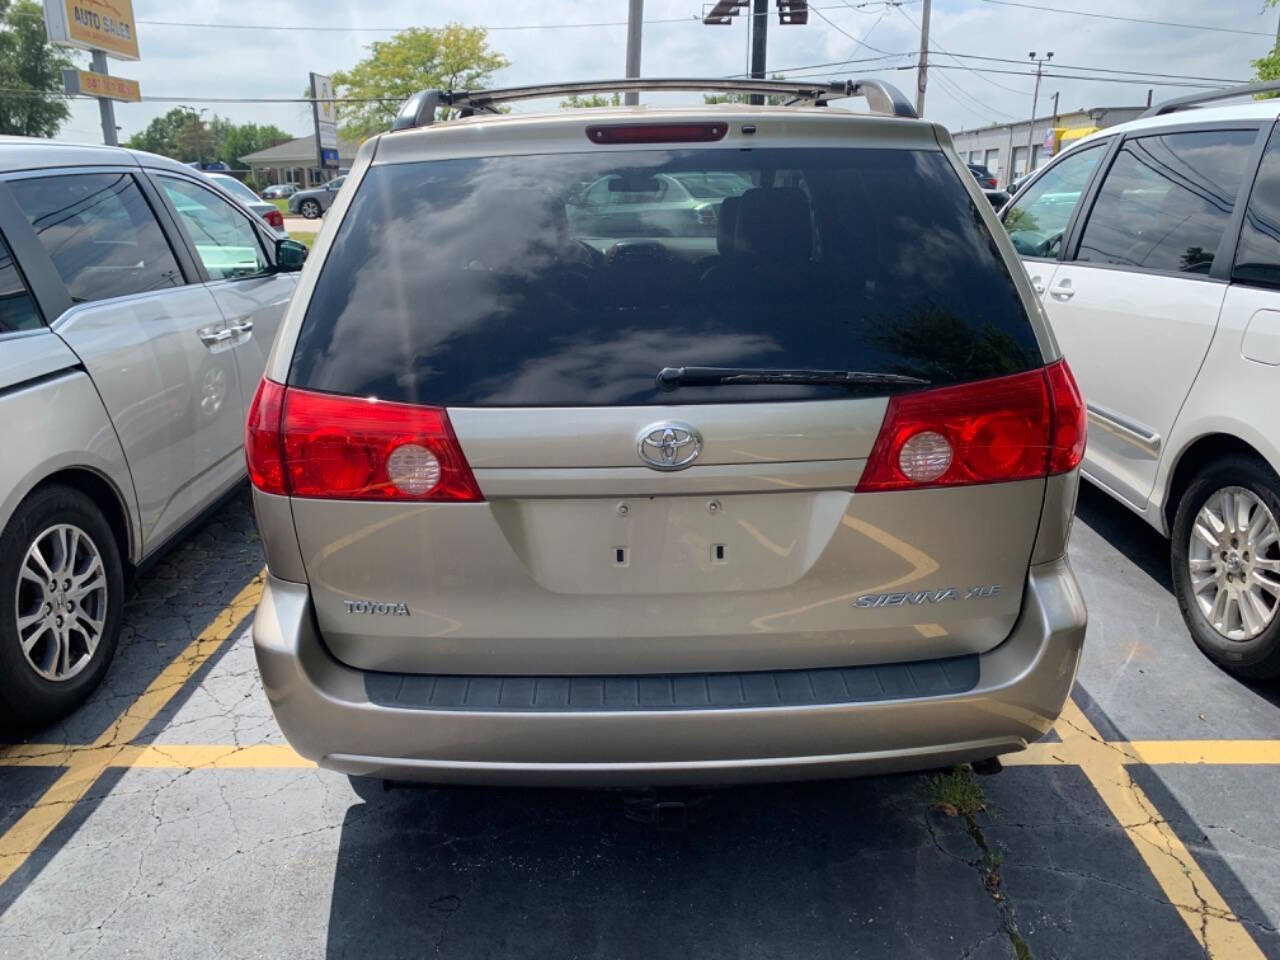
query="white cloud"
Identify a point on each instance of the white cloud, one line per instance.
(196, 62)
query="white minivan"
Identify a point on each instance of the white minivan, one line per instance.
(1155, 249)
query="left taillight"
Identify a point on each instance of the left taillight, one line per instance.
(1017, 427)
(275, 218)
(322, 446)
(263, 450)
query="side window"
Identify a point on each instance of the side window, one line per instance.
(225, 240)
(100, 233)
(17, 308)
(1258, 256)
(1037, 221)
(1166, 201)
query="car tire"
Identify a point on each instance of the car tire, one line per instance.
(1248, 487)
(46, 521)
(309, 209)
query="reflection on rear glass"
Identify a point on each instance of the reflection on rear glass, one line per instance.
(573, 279)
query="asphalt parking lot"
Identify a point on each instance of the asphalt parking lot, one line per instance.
(168, 818)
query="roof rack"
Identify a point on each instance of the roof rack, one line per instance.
(884, 98)
(1195, 99)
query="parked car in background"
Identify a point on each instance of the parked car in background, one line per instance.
(137, 306)
(267, 211)
(1155, 248)
(986, 179)
(665, 205)
(313, 203)
(997, 198)
(278, 191)
(784, 501)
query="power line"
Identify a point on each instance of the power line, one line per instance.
(1112, 16)
(317, 28)
(1072, 66)
(978, 75)
(1071, 76)
(839, 29)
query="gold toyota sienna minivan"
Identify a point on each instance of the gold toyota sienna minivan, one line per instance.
(664, 445)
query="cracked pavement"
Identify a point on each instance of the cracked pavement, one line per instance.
(163, 861)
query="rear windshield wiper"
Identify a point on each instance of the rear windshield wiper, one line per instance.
(671, 378)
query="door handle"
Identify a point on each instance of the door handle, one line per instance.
(1037, 284)
(212, 336)
(1062, 290)
(243, 326)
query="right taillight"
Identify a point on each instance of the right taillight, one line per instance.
(319, 445)
(1017, 427)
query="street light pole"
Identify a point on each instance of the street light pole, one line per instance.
(195, 115)
(1035, 102)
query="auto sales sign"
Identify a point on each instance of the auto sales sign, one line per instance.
(106, 25)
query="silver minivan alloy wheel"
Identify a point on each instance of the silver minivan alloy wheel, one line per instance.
(1234, 560)
(61, 603)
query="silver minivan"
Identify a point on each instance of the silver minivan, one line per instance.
(621, 499)
(137, 306)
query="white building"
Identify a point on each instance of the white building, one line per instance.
(1002, 148)
(297, 162)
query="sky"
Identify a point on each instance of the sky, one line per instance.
(197, 62)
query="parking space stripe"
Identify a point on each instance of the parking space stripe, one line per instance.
(188, 756)
(1154, 752)
(1185, 884)
(85, 765)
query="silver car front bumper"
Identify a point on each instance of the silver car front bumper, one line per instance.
(327, 714)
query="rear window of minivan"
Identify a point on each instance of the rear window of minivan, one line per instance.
(573, 279)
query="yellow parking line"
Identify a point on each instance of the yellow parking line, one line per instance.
(1206, 914)
(1206, 751)
(85, 765)
(218, 756)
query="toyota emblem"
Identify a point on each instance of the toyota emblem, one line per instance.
(669, 446)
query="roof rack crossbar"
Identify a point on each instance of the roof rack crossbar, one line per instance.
(420, 109)
(1212, 96)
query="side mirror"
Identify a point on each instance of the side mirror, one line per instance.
(290, 256)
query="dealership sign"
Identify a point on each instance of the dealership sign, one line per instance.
(326, 119)
(105, 25)
(100, 85)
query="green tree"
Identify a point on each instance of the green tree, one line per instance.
(183, 136)
(772, 100)
(452, 57)
(574, 102)
(31, 100)
(161, 134)
(246, 138)
(1268, 67)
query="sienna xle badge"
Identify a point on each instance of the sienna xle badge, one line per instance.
(664, 446)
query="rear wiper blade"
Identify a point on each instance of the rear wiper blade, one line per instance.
(671, 378)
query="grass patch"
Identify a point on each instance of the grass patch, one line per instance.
(282, 204)
(957, 794)
(304, 237)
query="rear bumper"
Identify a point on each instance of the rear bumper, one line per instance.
(327, 714)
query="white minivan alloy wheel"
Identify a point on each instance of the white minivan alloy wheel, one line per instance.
(1233, 558)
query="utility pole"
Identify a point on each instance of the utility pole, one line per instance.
(759, 39)
(922, 70)
(635, 21)
(1035, 102)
